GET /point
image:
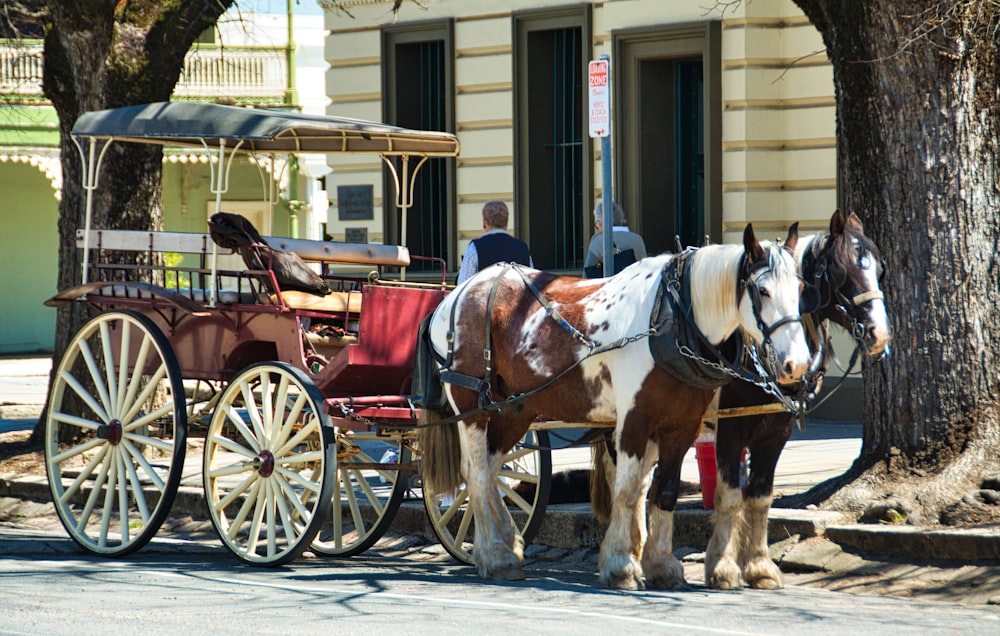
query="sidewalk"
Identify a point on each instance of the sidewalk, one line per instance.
(823, 450)
(24, 382)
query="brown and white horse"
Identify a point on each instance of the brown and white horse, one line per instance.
(845, 266)
(518, 343)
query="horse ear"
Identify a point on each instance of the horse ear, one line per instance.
(854, 222)
(752, 245)
(837, 223)
(793, 237)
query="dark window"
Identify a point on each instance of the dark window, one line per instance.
(419, 95)
(668, 133)
(554, 158)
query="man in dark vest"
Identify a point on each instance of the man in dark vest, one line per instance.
(495, 245)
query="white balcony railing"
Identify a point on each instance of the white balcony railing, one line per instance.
(257, 74)
(21, 70)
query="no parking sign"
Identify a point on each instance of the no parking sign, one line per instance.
(600, 101)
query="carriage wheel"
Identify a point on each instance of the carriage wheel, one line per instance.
(269, 464)
(368, 498)
(453, 520)
(114, 435)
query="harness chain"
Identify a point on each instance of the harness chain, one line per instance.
(486, 403)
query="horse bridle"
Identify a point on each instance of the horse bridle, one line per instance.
(749, 273)
(835, 280)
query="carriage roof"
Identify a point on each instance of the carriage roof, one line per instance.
(191, 124)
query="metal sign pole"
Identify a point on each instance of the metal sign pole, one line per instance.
(600, 126)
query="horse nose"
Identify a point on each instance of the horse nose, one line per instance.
(876, 340)
(793, 369)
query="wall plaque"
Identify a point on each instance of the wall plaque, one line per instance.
(356, 235)
(355, 203)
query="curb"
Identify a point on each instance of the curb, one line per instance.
(804, 540)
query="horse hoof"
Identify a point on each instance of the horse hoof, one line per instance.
(667, 583)
(626, 583)
(718, 583)
(766, 584)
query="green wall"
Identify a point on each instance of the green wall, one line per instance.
(29, 255)
(29, 238)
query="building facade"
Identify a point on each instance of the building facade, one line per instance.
(243, 61)
(718, 119)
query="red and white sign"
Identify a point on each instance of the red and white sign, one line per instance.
(600, 99)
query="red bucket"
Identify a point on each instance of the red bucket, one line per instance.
(704, 452)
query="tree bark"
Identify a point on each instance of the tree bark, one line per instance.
(104, 54)
(916, 87)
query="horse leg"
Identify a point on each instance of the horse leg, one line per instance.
(758, 568)
(663, 570)
(493, 555)
(721, 568)
(506, 530)
(623, 542)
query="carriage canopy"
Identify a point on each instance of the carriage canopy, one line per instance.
(190, 124)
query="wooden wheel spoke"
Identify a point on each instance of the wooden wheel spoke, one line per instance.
(237, 420)
(251, 482)
(235, 447)
(94, 370)
(77, 450)
(131, 387)
(88, 399)
(85, 474)
(147, 468)
(110, 375)
(456, 506)
(118, 385)
(297, 478)
(145, 396)
(109, 499)
(308, 430)
(282, 497)
(250, 406)
(511, 494)
(250, 504)
(281, 439)
(352, 502)
(164, 445)
(463, 527)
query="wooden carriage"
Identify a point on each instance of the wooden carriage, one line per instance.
(299, 404)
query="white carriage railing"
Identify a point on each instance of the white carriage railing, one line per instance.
(256, 73)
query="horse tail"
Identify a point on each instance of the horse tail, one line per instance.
(441, 455)
(600, 489)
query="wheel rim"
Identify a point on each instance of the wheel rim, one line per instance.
(365, 500)
(114, 437)
(453, 520)
(269, 464)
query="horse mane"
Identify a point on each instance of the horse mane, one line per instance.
(714, 271)
(843, 250)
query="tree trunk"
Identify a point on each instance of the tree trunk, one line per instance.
(917, 133)
(105, 54)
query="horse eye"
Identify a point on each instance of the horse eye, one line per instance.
(764, 293)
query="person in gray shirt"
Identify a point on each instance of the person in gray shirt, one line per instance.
(622, 238)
